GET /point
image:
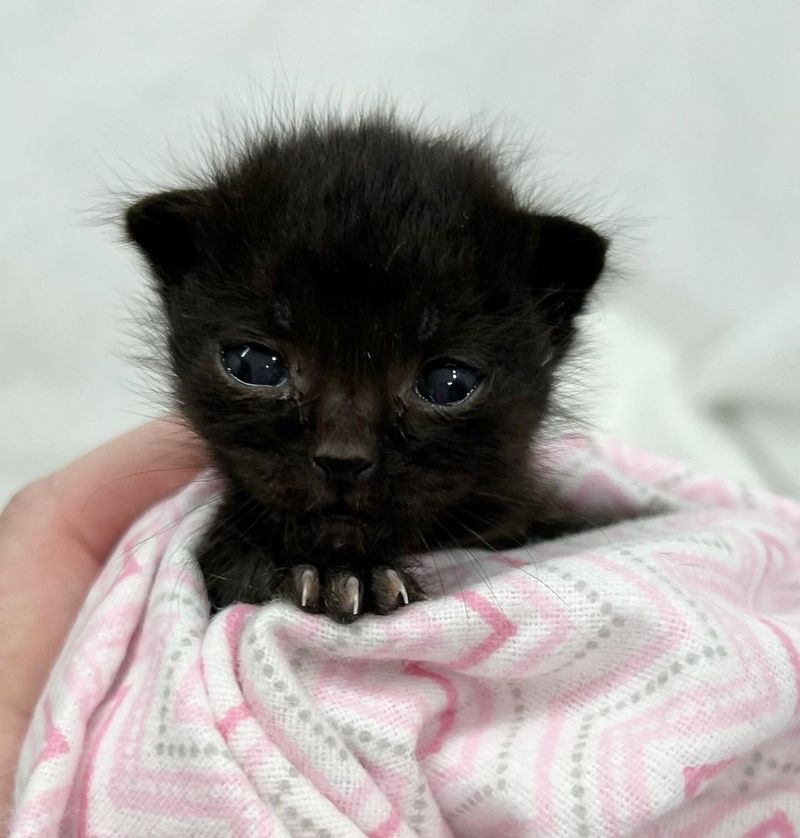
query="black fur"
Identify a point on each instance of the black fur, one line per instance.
(359, 250)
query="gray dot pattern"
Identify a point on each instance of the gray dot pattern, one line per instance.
(516, 701)
(291, 811)
(172, 747)
(612, 621)
(758, 770)
(658, 680)
(712, 646)
(330, 734)
(281, 798)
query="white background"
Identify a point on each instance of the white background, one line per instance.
(675, 124)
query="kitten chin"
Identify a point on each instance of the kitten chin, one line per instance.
(363, 321)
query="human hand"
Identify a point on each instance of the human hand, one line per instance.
(55, 535)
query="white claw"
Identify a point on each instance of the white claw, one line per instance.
(308, 578)
(353, 589)
(398, 583)
(403, 592)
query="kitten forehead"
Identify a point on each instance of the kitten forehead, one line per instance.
(281, 312)
(429, 324)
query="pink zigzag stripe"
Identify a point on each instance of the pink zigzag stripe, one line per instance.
(791, 653)
(657, 725)
(447, 714)
(502, 630)
(695, 776)
(778, 824)
(90, 762)
(389, 827)
(55, 742)
(232, 718)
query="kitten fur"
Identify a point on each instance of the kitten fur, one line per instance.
(359, 250)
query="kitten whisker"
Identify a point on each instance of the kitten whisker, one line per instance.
(569, 512)
(454, 569)
(433, 558)
(482, 574)
(532, 560)
(173, 524)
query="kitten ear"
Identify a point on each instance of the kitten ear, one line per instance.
(167, 228)
(567, 261)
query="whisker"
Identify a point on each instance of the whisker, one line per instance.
(433, 557)
(454, 566)
(520, 545)
(484, 577)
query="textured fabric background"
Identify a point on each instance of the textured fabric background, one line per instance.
(640, 679)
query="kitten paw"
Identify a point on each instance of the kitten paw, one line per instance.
(392, 589)
(344, 594)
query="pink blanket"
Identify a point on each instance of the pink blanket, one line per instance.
(641, 679)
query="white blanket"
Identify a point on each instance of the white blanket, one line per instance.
(642, 678)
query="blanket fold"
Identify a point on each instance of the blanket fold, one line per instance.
(635, 679)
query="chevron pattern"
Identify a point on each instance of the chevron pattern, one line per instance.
(638, 679)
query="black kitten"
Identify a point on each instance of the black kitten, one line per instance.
(363, 323)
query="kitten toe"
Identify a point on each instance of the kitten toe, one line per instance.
(343, 596)
(307, 587)
(393, 589)
(395, 582)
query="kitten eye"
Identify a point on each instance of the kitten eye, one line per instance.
(447, 382)
(253, 364)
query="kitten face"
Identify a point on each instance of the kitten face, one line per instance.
(363, 324)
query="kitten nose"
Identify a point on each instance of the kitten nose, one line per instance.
(343, 469)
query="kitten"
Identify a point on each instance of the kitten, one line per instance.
(363, 322)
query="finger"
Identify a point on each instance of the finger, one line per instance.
(55, 534)
(100, 494)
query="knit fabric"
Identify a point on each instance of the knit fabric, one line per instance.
(636, 679)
